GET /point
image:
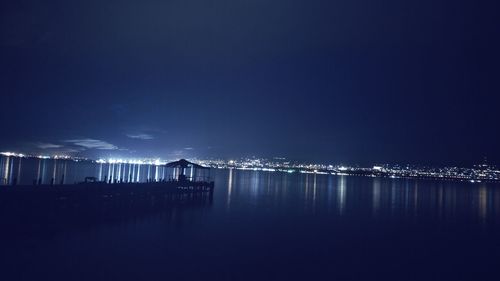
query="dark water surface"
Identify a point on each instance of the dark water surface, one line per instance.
(274, 226)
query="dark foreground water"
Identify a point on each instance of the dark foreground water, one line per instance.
(272, 226)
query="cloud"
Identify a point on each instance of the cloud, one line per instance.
(48, 146)
(188, 148)
(140, 136)
(178, 153)
(70, 150)
(93, 144)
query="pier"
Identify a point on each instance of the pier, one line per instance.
(92, 201)
(50, 209)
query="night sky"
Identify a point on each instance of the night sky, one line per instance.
(354, 81)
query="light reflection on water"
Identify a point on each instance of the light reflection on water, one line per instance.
(376, 196)
(344, 195)
(444, 199)
(229, 188)
(260, 223)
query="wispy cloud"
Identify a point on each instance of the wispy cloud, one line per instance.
(141, 136)
(188, 148)
(70, 150)
(178, 153)
(93, 144)
(48, 146)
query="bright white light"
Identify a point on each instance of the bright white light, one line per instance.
(268, 170)
(8, 154)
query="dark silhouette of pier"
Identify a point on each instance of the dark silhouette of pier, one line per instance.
(29, 210)
(92, 201)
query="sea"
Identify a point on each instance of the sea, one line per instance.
(258, 225)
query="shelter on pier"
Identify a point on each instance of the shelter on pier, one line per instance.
(188, 171)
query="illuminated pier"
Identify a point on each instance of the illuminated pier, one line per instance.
(92, 189)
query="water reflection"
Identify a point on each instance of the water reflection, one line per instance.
(342, 222)
(384, 198)
(394, 196)
(312, 193)
(19, 165)
(483, 202)
(4, 169)
(415, 197)
(229, 187)
(306, 190)
(330, 193)
(255, 185)
(342, 194)
(376, 195)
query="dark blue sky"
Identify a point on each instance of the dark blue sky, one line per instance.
(355, 81)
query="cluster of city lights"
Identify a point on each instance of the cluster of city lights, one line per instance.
(156, 162)
(478, 173)
(12, 154)
(21, 155)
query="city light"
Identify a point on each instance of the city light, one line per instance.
(476, 174)
(13, 154)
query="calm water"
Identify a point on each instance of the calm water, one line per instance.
(275, 226)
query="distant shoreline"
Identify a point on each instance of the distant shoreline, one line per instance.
(477, 174)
